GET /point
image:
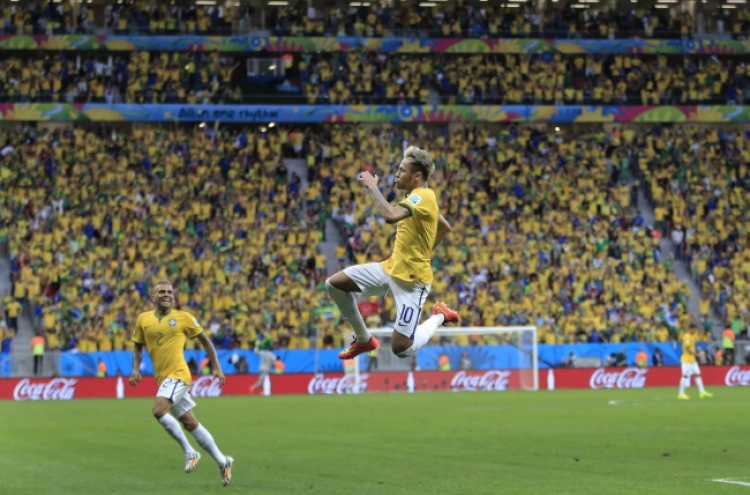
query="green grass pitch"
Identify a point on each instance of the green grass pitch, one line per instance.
(562, 442)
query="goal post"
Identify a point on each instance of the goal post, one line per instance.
(477, 358)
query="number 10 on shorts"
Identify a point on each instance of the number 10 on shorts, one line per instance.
(407, 313)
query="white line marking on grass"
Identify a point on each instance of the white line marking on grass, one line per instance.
(732, 482)
(656, 401)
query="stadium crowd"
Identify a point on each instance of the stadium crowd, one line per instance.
(372, 78)
(136, 77)
(523, 79)
(98, 214)
(467, 21)
(129, 17)
(546, 231)
(460, 20)
(546, 227)
(141, 17)
(698, 182)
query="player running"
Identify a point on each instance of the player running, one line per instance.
(407, 274)
(163, 332)
(690, 366)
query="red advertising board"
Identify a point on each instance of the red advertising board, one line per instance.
(667, 376)
(336, 383)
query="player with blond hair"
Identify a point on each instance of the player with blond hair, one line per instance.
(407, 274)
(163, 332)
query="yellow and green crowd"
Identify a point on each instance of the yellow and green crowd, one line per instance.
(546, 227)
(92, 218)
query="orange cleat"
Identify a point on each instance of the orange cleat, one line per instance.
(226, 471)
(450, 315)
(356, 348)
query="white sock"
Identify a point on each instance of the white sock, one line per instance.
(699, 382)
(347, 304)
(423, 334)
(206, 441)
(684, 382)
(175, 430)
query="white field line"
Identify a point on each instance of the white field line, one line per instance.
(656, 401)
(732, 482)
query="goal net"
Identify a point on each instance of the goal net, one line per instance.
(455, 359)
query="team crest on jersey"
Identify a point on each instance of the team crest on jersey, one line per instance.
(414, 199)
(172, 322)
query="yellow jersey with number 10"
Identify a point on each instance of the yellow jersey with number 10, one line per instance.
(164, 338)
(688, 343)
(415, 238)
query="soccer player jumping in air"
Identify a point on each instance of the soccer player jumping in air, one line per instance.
(163, 332)
(407, 274)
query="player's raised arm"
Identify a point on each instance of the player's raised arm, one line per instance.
(390, 213)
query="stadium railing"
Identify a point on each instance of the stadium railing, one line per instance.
(324, 360)
(19, 362)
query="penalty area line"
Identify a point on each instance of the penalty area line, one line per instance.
(731, 482)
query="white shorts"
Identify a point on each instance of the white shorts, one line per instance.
(409, 296)
(689, 369)
(177, 392)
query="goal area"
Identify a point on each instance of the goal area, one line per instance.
(455, 359)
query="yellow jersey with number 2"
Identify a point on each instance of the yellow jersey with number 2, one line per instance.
(688, 343)
(164, 338)
(415, 238)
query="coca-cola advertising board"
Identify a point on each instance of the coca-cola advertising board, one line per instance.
(337, 383)
(80, 388)
(431, 381)
(631, 377)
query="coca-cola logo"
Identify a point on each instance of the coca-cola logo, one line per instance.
(319, 384)
(491, 380)
(627, 378)
(736, 376)
(55, 389)
(205, 386)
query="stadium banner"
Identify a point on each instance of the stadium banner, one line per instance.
(632, 377)
(486, 357)
(337, 383)
(295, 361)
(4, 364)
(264, 114)
(273, 44)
